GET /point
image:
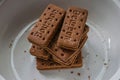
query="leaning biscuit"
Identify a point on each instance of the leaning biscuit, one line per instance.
(72, 28)
(71, 58)
(65, 56)
(45, 28)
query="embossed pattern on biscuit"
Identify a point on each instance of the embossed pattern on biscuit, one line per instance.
(64, 54)
(72, 28)
(58, 38)
(45, 28)
(72, 57)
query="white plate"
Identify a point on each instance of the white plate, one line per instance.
(95, 53)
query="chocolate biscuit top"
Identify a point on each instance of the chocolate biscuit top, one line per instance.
(45, 28)
(72, 28)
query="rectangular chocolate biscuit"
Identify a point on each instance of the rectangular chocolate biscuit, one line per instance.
(49, 65)
(39, 52)
(65, 56)
(44, 30)
(65, 53)
(72, 28)
(70, 59)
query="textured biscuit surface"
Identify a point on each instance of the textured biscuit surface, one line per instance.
(66, 56)
(39, 52)
(48, 65)
(58, 37)
(62, 54)
(72, 28)
(45, 28)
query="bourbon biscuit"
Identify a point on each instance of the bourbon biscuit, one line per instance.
(39, 52)
(72, 28)
(49, 65)
(70, 59)
(65, 56)
(45, 28)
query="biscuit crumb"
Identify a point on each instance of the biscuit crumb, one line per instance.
(25, 51)
(89, 77)
(78, 74)
(71, 72)
(96, 55)
(10, 45)
(105, 63)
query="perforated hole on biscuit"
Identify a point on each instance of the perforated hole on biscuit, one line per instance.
(37, 35)
(33, 46)
(75, 40)
(70, 10)
(40, 36)
(81, 20)
(52, 25)
(83, 13)
(56, 49)
(49, 8)
(60, 13)
(79, 27)
(40, 20)
(62, 54)
(61, 37)
(63, 30)
(42, 64)
(56, 19)
(43, 38)
(77, 33)
(67, 16)
(32, 33)
(48, 32)
(44, 14)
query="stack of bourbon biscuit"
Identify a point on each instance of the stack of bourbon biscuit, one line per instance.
(58, 37)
